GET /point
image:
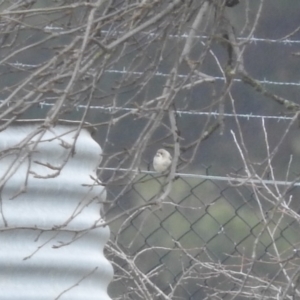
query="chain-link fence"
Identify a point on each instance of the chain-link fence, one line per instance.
(213, 238)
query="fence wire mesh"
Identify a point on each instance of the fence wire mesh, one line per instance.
(210, 239)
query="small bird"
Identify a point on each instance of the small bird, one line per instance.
(162, 160)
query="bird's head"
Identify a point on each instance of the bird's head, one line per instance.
(162, 153)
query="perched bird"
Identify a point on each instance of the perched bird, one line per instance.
(162, 160)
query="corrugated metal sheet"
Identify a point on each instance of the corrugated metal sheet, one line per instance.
(55, 263)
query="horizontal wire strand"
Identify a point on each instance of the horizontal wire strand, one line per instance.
(185, 35)
(210, 177)
(113, 109)
(160, 74)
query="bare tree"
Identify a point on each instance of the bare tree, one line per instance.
(143, 73)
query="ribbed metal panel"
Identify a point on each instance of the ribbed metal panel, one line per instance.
(56, 263)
